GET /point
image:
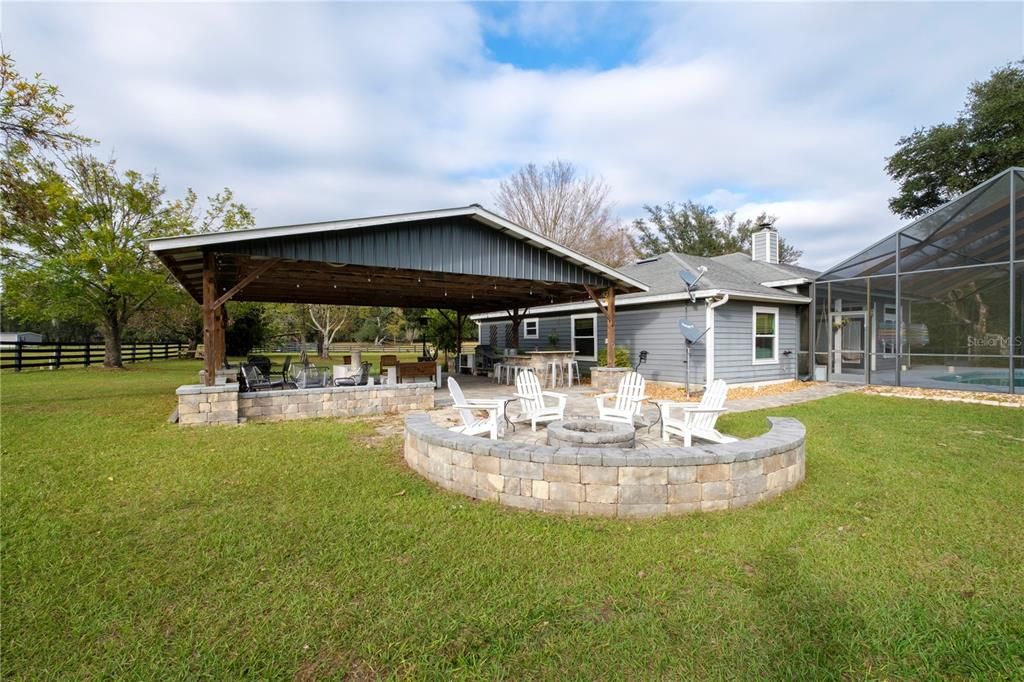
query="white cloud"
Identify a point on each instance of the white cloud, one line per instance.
(336, 110)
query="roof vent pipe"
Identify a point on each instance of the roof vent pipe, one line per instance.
(764, 245)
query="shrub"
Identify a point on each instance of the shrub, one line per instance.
(622, 358)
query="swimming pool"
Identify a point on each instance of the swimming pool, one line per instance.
(984, 378)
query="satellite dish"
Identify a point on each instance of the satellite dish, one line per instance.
(691, 332)
(690, 280)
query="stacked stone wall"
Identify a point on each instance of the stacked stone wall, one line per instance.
(223, 404)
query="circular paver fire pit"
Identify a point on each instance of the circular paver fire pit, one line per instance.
(591, 433)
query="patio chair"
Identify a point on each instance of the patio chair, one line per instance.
(262, 362)
(629, 399)
(310, 376)
(533, 408)
(359, 379)
(256, 381)
(471, 424)
(696, 420)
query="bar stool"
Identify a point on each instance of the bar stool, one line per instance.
(498, 369)
(554, 373)
(507, 374)
(572, 371)
(513, 373)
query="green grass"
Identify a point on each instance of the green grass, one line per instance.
(132, 548)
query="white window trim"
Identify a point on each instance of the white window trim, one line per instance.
(572, 335)
(536, 329)
(774, 360)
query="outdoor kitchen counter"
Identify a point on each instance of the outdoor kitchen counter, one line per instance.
(539, 361)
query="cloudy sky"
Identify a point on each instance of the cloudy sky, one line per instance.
(320, 111)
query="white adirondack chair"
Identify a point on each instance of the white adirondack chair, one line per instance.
(628, 402)
(471, 424)
(696, 420)
(532, 406)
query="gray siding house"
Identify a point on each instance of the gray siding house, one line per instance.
(754, 314)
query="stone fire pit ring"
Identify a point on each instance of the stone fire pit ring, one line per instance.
(591, 433)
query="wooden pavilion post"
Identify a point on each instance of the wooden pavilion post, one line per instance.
(210, 319)
(608, 310)
(515, 316)
(609, 314)
(215, 315)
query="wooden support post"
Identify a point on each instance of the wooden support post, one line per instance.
(516, 316)
(608, 310)
(460, 319)
(221, 318)
(609, 313)
(209, 319)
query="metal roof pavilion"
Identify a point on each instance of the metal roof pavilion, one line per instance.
(466, 259)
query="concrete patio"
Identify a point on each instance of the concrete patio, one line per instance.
(580, 403)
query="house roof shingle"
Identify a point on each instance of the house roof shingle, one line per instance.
(733, 273)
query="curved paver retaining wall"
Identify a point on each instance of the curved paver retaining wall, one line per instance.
(609, 482)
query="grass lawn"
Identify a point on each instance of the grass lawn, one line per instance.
(132, 548)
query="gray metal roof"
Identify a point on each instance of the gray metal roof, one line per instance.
(466, 258)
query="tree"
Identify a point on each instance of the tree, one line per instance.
(935, 164)
(74, 242)
(445, 333)
(698, 230)
(328, 320)
(556, 202)
(247, 328)
(78, 248)
(178, 318)
(74, 227)
(221, 213)
(33, 112)
(377, 325)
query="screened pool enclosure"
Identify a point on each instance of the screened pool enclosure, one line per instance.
(939, 304)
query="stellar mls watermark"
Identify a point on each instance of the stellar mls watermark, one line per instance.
(995, 341)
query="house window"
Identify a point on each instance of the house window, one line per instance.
(584, 336)
(531, 328)
(766, 335)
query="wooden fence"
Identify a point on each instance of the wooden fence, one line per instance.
(340, 347)
(21, 355)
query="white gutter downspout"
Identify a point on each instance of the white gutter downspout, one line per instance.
(709, 338)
